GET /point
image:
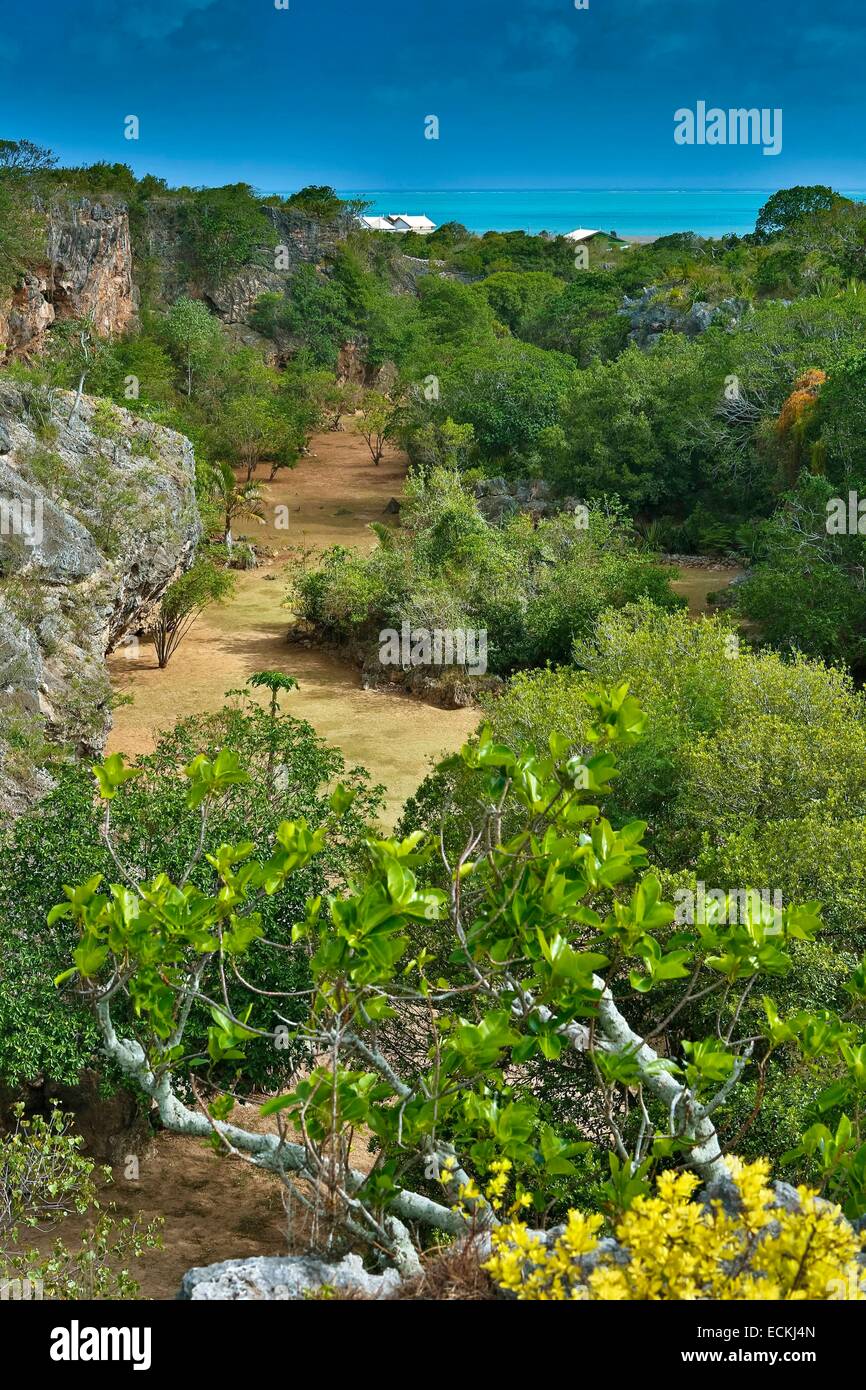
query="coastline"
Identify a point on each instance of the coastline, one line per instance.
(638, 216)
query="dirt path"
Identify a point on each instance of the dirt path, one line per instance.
(331, 498)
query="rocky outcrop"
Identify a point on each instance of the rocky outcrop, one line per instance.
(86, 273)
(352, 366)
(300, 241)
(652, 314)
(97, 516)
(285, 1279)
(25, 317)
(405, 273)
(500, 498)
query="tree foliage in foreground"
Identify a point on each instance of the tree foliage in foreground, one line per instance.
(50, 1033)
(43, 1178)
(560, 936)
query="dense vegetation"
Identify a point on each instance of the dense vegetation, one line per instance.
(515, 998)
(532, 589)
(44, 1032)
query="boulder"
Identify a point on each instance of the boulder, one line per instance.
(283, 1279)
(651, 314)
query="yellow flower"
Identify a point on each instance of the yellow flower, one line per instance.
(682, 1250)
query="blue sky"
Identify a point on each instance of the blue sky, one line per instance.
(529, 93)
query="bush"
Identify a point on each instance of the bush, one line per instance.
(44, 1031)
(534, 590)
(671, 1247)
(43, 1177)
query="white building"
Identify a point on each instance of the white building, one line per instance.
(581, 234)
(399, 222)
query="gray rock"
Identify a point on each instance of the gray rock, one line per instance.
(650, 316)
(97, 517)
(284, 1278)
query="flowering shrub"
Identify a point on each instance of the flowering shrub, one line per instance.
(671, 1247)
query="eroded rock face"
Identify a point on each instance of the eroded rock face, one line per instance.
(87, 273)
(97, 517)
(284, 1278)
(25, 317)
(90, 254)
(352, 366)
(111, 1126)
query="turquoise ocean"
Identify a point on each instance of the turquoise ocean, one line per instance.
(628, 212)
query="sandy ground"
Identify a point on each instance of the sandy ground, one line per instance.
(331, 499)
(695, 583)
(215, 1207)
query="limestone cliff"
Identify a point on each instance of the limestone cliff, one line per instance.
(91, 267)
(86, 273)
(97, 516)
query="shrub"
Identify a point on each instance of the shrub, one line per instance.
(534, 590)
(671, 1247)
(46, 1031)
(44, 1177)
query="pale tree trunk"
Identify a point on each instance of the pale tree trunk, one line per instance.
(687, 1118)
(268, 1150)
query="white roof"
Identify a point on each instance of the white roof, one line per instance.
(410, 219)
(581, 234)
(378, 224)
(398, 222)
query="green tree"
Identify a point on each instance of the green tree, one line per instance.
(509, 392)
(375, 423)
(275, 682)
(562, 944)
(236, 500)
(184, 601)
(313, 313)
(193, 336)
(22, 229)
(318, 201)
(23, 157)
(224, 230)
(49, 1033)
(252, 430)
(520, 298)
(787, 207)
